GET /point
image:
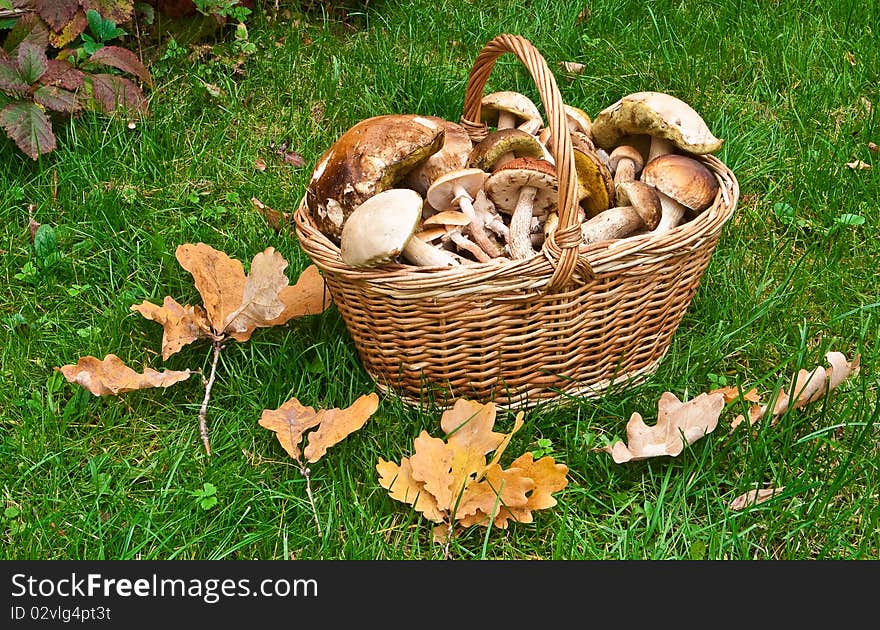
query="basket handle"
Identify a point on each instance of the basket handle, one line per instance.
(561, 248)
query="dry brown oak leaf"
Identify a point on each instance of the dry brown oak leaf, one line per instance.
(234, 304)
(110, 376)
(754, 497)
(806, 387)
(292, 419)
(678, 423)
(450, 480)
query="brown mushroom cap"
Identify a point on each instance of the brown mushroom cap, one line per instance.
(656, 114)
(370, 157)
(503, 186)
(632, 159)
(595, 183)
(452, 156)
(511, 141)
(381, 229)
(682, 178)
(644, 199)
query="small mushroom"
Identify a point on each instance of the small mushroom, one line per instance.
(507, 109)
(576, 119)
(453, 222)
(372, 156)
(642, 213)
(522, 188)
(382, 228)
(685, 186)
(595, 182)
(501, 146)
(452, 156)
(457, 189)
(669, 121)
(626, 163)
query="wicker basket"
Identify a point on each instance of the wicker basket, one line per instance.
(568, 322)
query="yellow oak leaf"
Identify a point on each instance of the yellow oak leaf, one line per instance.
(337, 424)
(289, 422)
(678, 423)
(292, 419)
(401, 486)
(110, 376)
(219, 279)
(182, 324)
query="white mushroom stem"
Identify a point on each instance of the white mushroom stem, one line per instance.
(671, 213)
(488, 215)
(423, 254)
(476, 227)
(625, 172)
(659, 146)
(463, 242)
(520, 243)
(612, 223)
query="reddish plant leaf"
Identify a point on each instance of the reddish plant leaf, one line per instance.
(32, 62)
(64, 75)
(123, 59)
(111, 376)
(29, 127)
(10, 78)
(28, 28)
(111, 92)
(57, 13)
(70, 32)
(56, 99)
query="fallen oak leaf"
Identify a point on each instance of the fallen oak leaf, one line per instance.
(275, 218)
(806, 387)
(111, 376)
(450, 483)
(858, 165)
(309, 296)
(292, 419)
(754, 497)
(182, 324)
(678, 423)
(733, 392)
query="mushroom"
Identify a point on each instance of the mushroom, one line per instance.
(372, 156)
(685, 187)
(452, 222)
(501, 146)
(642, 212)
(382, 228)
(457, 189)
(452, 156)
(669, 121)
(507, 109)
(576, 119)
(523, 187)
(595, 182)
(626, 163)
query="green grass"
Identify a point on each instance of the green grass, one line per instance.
(793, 90)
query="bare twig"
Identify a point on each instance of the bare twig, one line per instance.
(11, 13)
(216, 347)
(307, 474)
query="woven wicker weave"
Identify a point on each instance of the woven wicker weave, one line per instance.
(570, 321)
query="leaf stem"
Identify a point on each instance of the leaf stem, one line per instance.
(307, 474)
(216, 347)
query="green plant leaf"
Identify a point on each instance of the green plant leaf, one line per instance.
(11, 512)
(29, 127)
(122, 59)
(45, 242)
(102, 28)
(56, 99)
(57, 13)
(32, 62)
(850, 219)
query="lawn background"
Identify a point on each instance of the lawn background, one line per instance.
(793, 90)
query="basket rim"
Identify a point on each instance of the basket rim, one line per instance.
(532, 274)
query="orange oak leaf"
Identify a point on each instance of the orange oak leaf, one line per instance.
(449, 481)
(806, 387)
(546, 476)
(182, 324)
(235, 304)
(678, 423)
(733, 392)
(111, 376)
(291, 421)
(754, 497)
